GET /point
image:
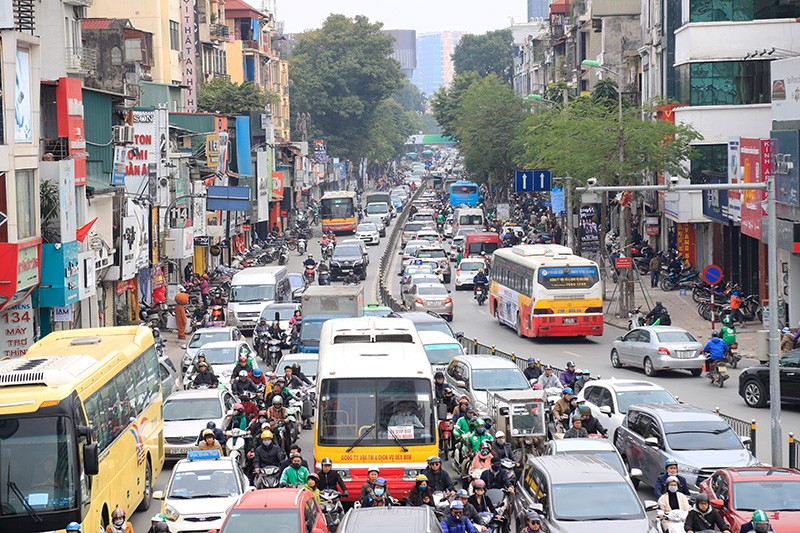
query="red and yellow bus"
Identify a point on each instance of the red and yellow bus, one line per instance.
(81, 430)
(544, 290)
(339, 211)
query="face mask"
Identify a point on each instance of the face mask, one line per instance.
(501, 441)
(119, 522)
(262, 420)
(423, 487)
(296, 466)
(484, 452)
(480, 431)
(495, 468)
(673, 488)
(266, 442)
(378, 492)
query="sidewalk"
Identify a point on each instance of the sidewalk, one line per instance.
(683, 311)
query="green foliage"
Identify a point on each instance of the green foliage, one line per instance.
(49, 208)
(429, 124)
(490, 53)
(555, 92)
(486, 123)
(583, 141)
(223, 96)
(605, 94)
(409, 96)
(389, 129)
(446, 102)
(341, 73)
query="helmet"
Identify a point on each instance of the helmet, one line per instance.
(117, 513)
(672, 479)
(311, 256)
(277, 400)
(499, 435)
(313, 476)
(726, 319)
(267, 434)
(471, 409)
(380, 481)
(202, 364)
(715, 333)
(373, 469)
(421, 477)
(462, 494)
(568, 390)
(295, 454)
(531, 360)
(242, 373)
(73, 526)
(211, 425)
(585, 411)
(658, 302)
(571, 364)
(156, 331)
(161, 527)
(670, 462)
(447, 390)
(533, 516)
(760, 521)
(208, 433)
(256, 372)
(486, 445)
(785, 330)
(456, 505)
(238, 407)
(434, 459)
(480, 422)
(480, 271)
(479, 484)
(702, 497)
(438, 375)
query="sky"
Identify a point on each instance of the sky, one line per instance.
(424, 16)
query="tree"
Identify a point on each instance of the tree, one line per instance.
(340, 74)
(445, 102)
(605, 94)
(490, 53)
(223, 96)
(389, 130)
(486, 123)
(409, 96)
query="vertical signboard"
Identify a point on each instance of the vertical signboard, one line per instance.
(68, 218)
(263, 175)
(750, 155)
(212, 150)
(685, 238)
(118, 168)
(69, 99)
(162, 142)
(277, 187)
(142, 153)
(734, 177)
(23, 102)
(189, 47)
(16, 329)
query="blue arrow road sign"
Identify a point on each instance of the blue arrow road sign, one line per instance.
(532, 181)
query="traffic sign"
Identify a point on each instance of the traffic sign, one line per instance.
(712, 274)
(623, 262)
(532, 180)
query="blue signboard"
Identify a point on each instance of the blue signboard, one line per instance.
(220, 198)
(243, 160)
(715, 203)
(532, 180)
(557, 201)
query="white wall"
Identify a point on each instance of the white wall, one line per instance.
(700, 41)
(718, 123)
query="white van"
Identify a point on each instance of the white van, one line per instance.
(468, 217)
(252, 290)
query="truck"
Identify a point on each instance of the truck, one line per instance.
(324, 302)
(379, 198)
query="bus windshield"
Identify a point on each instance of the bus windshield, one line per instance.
(475, 248)
(575, 277)
(36, 464)
(470, 220)
(252, 293)
(386, 408)
(463, 189)
(337, 207)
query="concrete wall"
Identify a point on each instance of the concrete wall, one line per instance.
(621, 38)
(699, 41)
(233, 53)
(718, 123)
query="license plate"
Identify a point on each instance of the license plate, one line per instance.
(722, 369)
(178, 451)
(570, 321)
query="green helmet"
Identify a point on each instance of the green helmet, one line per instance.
(726, 320)
(760, 522)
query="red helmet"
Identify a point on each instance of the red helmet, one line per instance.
(238, 407)
(243, 358)
(263, 413)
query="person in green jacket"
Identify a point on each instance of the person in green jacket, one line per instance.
(728, 331)
(239, 419)
(295, 474)
(464, 425)
(479, 435)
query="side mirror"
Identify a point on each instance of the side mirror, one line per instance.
(717, 503)
(619, 338)
(158, 494)
(449, 291)
(91, 459)
(504, 411)
(606, 410)
(461, 383)
(183, 346)
(745, 440)
(441, 411)
(538, 507)
(635, 473)
(651, 441)
(399, 274)
(650, 505)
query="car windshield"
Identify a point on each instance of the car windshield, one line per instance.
(609, 456)
(204, 337)
(767, 495)
(252, 293)
(436, 254)
(627, 398)
(595, 501)
(192, 409)
(499, 379)
(284, 311)
(411, 249)
(219, 356)
(466, 231)
(307, 366)
(424, 269)
(701, 436)
(470, 220)
(413, 226)
(310, 332)
(347, 252)
(432, 290)
(203, 484)
(675, 336)
(249, 520)
(436, 325)
(528, 418)
(295, 281)
(470, 266)
(441, 354)
(37, 464)
(367, 227)
(383, 411)
(377, 209)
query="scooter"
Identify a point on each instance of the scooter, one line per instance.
(673, 521)
(235, 445)
(301, 246)
(480, 295)
(268, 477)
(446, 436)
(732, 356)
(308, 275)
(283, 254)
(274, 352)
(324, 277)
(718, 373)
(636, 318)
(332, 509)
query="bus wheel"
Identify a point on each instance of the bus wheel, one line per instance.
(519, 327)
(147, 493)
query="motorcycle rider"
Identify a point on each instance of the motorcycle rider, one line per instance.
(563, 406)
(787, 340)
(420, 494)
(368, 487)
(242, 364)
(239, 419)
(293, 381)
(201, 358)
(258, 378)
(479, 436)
(482, 459)
(118, 522)
(449, 399)
(480, 280)
(204, 377)
(580, 381)
(295, 474)
(455, 521)
(311, 485)
(479, 501)
(548, 380)
(351, 278)
(500, 448)
(533, 370)
(659, 312)
(534, 522)
(590, 423)
(210, 442)
(497, 477)
(577, 431)
(218, 434)
(567, 377)
(758, 523)
(438, 479)
(295, 449)
(728, 331)
(672, 500)
(464, 426)
(331, 479)
(703, 518)
(378, 496)
(460, 411)
(470, 513)
(243, 385)
(671, 470)
(275, 332)
(276, 410)
(716, 349)
(323, 272)
(258, 331)
(309, 262)
(438, 385)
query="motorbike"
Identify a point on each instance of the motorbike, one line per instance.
(235, 445)
(718, 373)
(673, 521)
(301, 246)
(480, 295)
(326, 246)
(498, 521)
(215, 317)
(732, 356)
(330, 501)
(283, 254)
(260, 340)
(324, 277)
(274, 352)
(446, 436)
(153, 315)
(268, 477)
(308, 275)
(636, 318)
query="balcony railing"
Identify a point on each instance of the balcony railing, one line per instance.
(24, 16)
(81, 60)
(220, 30)
(249, 44)
(55, 149)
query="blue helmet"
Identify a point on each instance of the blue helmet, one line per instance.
(531, 360)
(568, 390)
(73, 526)
(256, 372)
(670, 462)
(380, 481)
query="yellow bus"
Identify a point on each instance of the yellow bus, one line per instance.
(375, 402)
(544, 290)
(339, 211)
(81, 430)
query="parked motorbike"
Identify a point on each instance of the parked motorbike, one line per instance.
(636, 318)
(283, 254)
(332, 509)
(153, 315)
(718, 373)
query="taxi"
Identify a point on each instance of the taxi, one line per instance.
(200, 491)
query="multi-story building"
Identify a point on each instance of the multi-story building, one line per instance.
(434, 62)
(404, 49)
(538, 10)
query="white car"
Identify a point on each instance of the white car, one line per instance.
(200, 490)
(368, 232)
(440, 348)
(222, 357)
(466, 271)
(609, 399)
(203, 336)
(186, 414)
(430, 235)
(602, 449)
(308, 363)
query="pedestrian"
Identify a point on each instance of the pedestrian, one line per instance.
(205, 290)
(787, 340)
(736, 304)
(181, 299)
(655, 271)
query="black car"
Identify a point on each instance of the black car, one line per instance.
(347, 258)
(426, 321)
(754, 381)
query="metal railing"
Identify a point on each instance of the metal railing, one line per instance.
(81, 59)
(794, 452)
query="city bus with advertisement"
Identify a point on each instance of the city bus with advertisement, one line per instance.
(543, 290)
(338, 211)
(81, 429)
(375, 402)
(463, 192)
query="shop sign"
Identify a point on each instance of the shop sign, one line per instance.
(125, 286)
(87, 287)
(202, 241)
(686, 244)
(277, 187)
(734, 177)
(189, 40)
(16, 329)
(62, 314)
(750, 155)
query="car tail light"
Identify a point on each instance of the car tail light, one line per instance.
(663, 351)
(458, 272)
(419, 301)
(448, 301)
(543, 311)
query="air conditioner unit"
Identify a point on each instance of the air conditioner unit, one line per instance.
(80, 12)
(123, 134)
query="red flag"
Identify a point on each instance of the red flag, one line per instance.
(83, 231)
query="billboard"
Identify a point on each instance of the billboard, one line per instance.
(785, 169)
(734, 176)
(23, 102)
(785, 75)
(750, 154)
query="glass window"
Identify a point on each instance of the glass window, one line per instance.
(204, 337)
(220, 356)
(571, 277)
(26, 193)
(766, 495)
(133, 49)
(253, 293)
(151, 367)
(440, 354)
(711, 158)
(599, 501)
(627, 398)
(725, 83)
(174, 36)
(247, 520)
(499, 379)
(337, 208)
(633, 336)
(204, 484)
(703, 435)
(741, 10)
(116, 55)
(194, 409)
(675, 336)
(644, 336)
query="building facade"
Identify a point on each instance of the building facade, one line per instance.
(404, 49)
(434, 62)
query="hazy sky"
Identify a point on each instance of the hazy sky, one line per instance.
(471, 16)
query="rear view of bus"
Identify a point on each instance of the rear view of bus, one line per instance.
(80, 429)
(375, 402)
(464, 193)
(339, 211)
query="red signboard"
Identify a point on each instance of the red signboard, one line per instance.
(623, 262)
(69, 105)
(685, 234)
(750, 150)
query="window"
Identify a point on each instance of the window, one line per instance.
(26, 194)
(740, 10)
(133, 50)
(644, 336)
(174, 36)
(725, 83)
(710, 158)
(633, 336)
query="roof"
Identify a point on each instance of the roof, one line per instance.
(576, 469)
(677, 412)
(388, 519)
(277, 498)
(195, 393)
(572, 445)
(436, 337)
(419, 316)
(238, 7)
(100, 23)
(656, 329)
(486, 361)
(761, 473)
(626, 384)
(559, 7)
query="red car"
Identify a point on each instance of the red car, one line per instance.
(283, 509)
(737, 492)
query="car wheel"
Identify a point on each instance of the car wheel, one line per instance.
(649, 369)
(519, 327)
(447, 279)
(615, 362)
(754, 394)
(634, 481)
(696, 372)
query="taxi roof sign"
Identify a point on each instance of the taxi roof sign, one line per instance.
(200, 455)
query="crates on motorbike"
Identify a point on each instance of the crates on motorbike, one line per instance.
(522, 416)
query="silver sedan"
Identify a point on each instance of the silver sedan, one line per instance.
(656, 348)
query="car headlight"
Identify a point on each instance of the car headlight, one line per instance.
(358, 261)
(335, 263)
(171, 513)
(481, 407)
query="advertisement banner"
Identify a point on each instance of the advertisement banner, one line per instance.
(588, 231)
(785, 75)
(118, 169)
(16, 329)
(734, 176)
(277, 187)
(750, 154)
(189, 40)
(141, 153)
(264, 183)
(557, 201)
(787, 166)
(69, 99)
(685, 237)
(715, 203)
(23, 99)
(212, 150)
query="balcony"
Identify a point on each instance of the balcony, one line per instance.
(220, 31)
(79, 3)
(56, 149)
(248, 45)
(81, 60)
